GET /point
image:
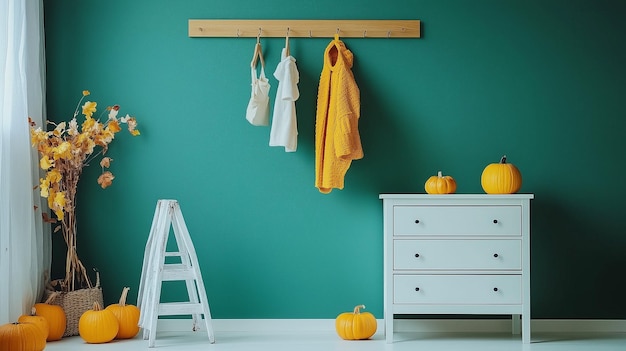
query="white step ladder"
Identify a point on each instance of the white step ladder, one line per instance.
(156, 270)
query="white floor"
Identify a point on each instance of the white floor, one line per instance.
(325, 341)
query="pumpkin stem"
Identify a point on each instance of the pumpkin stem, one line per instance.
(357, 309)
(96, 306)
(33, 311)
(123, 297)
(503, 159)
(439, 174)
(51, 297)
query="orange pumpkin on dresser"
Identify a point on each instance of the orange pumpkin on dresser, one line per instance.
(501, 178)
(440, 184)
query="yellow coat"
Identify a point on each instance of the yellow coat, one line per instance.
(337, 140)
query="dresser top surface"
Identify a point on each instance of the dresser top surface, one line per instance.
(405, 196)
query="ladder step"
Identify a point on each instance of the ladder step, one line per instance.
(177, 271)
(179, 308)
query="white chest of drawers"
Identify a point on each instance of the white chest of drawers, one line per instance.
(457, 254)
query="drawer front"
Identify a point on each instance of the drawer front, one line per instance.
(487, 254)
(457, 220)
(457, 289)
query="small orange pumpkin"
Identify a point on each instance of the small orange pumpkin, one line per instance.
(55, 315)
(501, 178)
(356, 325)
(127, 316)
(40, 321)
(21, 337)
(440, 184)
(97, 326)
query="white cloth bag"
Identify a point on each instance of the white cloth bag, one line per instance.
(258, 110)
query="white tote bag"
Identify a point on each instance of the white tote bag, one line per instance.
(258, 110)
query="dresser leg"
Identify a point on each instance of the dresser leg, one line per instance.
(516, 324)
(526, 329)
(389, 330)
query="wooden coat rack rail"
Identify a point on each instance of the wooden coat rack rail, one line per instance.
(305, 28)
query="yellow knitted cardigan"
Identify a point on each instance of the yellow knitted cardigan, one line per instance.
(337, 140)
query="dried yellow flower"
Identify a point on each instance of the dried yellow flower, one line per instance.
(106, 162)
(58, 131)
(114, 126)
(44, 185)
(132, 124)
(89, 124)
(58, 204)
(89, 108)
(54, 176)
(105, 179)
(45, 163)
(63, 151)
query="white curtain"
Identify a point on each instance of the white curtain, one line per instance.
(24, 239)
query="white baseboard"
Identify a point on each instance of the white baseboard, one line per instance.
(401, 325)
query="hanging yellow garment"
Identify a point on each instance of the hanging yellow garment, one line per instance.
(337, 140)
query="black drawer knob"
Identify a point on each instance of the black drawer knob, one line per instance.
(417, 289)
(495, 221)
(495, 289)
(495, 255)
(417, 255)
(417, 221)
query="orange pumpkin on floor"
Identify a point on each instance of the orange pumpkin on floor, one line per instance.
(39, 321)
(356, 325)
(97, 326)
(55, 316)
(127, 316)
(21, 337)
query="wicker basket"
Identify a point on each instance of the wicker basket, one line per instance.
(75, 303)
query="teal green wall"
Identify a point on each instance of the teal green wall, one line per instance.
(539, 81)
